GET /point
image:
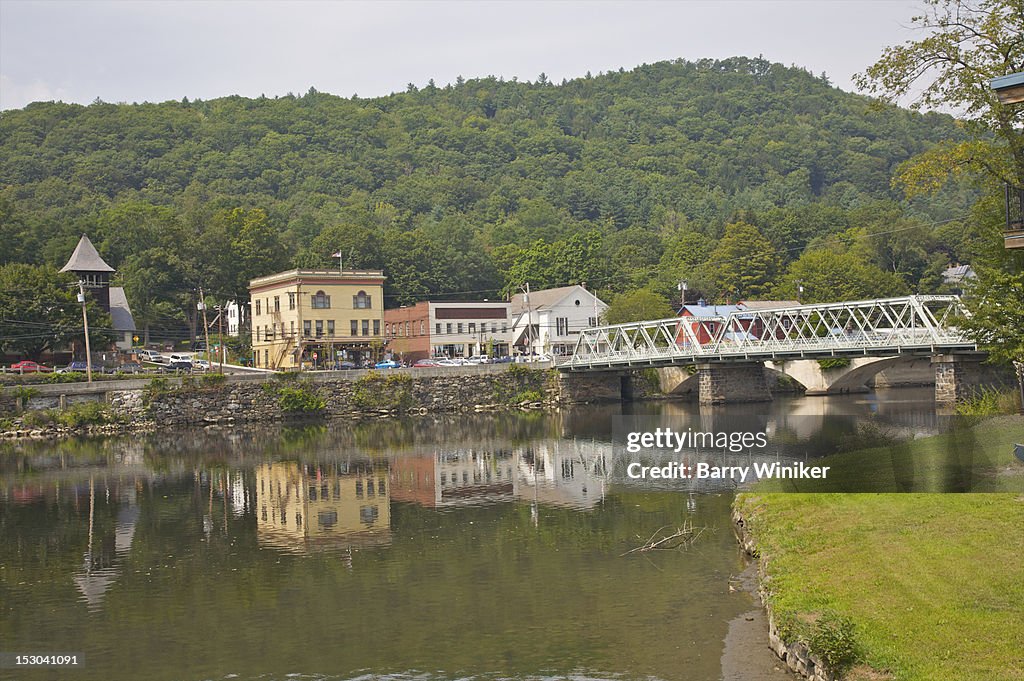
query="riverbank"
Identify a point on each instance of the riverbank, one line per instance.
(910, 587)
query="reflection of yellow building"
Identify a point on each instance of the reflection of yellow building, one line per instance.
(302, 507)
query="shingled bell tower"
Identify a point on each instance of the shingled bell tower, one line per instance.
(89, 267)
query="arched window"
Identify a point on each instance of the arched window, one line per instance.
(321, 301)
(423, 328)
(361, 301)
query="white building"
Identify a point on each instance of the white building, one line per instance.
(549, 322)
(233, 317)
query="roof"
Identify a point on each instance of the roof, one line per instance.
(709, 310)
(1011, 80)
(548, 298)
(958, 273)
(86, 259)
(120, 313)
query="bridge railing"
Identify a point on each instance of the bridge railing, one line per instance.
(890, 325)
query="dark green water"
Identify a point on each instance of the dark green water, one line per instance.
(429, 548)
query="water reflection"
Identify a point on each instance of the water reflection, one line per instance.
(337, 505)
(440, 547)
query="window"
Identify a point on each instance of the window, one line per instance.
(592, 321)
(268, 333)
(277, 303)
(504, 327)
(408, 328)
(448, 328)
(472, 327)
(562, 324)
(266, 358)
(257, 307)
(307, 328)
(361, 301)
(292, 330)
(460, 327)
(387, 330)
(319, 328)
(291, 300)
(259, 334)
(330, 328)
(376, 327)
(437, 328)
(366, 327)
(423, 328)
(355, 328)
(321, 301)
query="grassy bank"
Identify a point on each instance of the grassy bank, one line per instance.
(930, 585)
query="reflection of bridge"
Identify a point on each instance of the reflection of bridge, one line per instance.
(729, 350)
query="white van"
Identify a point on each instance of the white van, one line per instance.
(179, 357)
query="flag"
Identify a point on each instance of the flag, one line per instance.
(336, 255)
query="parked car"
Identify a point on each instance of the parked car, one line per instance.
(179, 366)
(77, 365)
(387, 364)
(150, 356)
(479, 359)
(200, 364)
(501, 360)
(30, 367)
(129, 368)
(340, 366)
(179, 357)
(422, 363)
(450, 362)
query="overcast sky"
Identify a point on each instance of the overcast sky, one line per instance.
(135, 51)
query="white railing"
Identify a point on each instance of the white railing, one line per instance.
(866, 327)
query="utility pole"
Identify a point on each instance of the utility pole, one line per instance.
(220, 334)
(206, 326)
(529, 318)
(85, 323)
(682, 294)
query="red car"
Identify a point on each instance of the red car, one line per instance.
(426, 363)
(29, 367)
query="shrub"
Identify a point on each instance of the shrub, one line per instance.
(213, 380)
(300, 400)
(989, 402)
(37, 418)
(24, 393)
(528, 396)
(834, 363)
(377, 391)
(85, 414)
(522, 384)
(833, 640)
(68, 377)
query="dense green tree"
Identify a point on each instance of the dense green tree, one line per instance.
(964, 47)
(39, 311)
(742, 265)
(829, 276)
(636, 306)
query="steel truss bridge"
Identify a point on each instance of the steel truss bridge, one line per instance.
(873, 328)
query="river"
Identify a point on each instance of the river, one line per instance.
(449, 548)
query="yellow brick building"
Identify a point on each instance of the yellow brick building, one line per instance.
(318, 317)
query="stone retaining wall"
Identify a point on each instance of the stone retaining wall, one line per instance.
(796, 655)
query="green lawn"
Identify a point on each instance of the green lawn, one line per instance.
(933, 583)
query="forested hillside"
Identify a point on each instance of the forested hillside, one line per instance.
(719, 172)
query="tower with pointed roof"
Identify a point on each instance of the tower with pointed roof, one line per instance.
(89, 267)
(86, 264)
